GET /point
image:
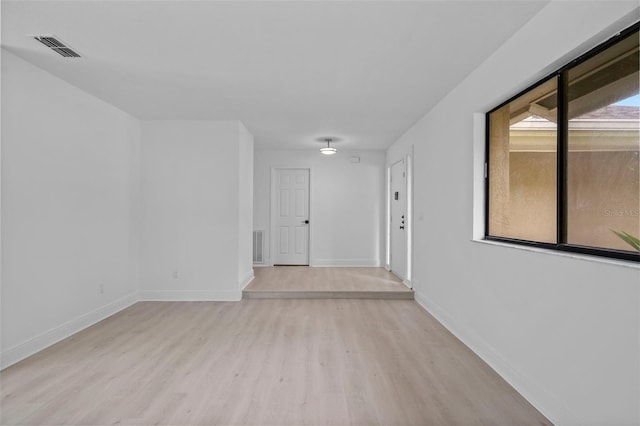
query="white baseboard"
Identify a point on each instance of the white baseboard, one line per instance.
(44, 340)
(407, 283)
(248, 277)
(345, 262)
(190, 296)
(532, 391)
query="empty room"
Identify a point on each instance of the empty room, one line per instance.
(320, 212)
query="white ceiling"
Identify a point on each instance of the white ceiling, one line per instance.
(291, 71)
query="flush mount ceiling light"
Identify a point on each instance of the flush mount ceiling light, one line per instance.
(328, 150)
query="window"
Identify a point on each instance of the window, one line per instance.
(563, 163)
(522, 165)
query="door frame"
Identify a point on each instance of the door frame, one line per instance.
(272, 210)
(408, 162)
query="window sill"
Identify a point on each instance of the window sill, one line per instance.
(579, 256)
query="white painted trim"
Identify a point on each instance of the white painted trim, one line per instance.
(190, 296)
(54, 335)
(248, 277)
(409, 209)
(345, 262)
(540, 397)
(567, 254)
(407, 283)
(387, 222)
(479, 180)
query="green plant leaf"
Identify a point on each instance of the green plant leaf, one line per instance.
(629, 239)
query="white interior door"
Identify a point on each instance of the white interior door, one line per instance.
(399, 220)
(291, 231)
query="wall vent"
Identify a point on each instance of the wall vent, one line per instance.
(57, 46)
(258, 246)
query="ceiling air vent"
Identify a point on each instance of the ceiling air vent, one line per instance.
(57, 46)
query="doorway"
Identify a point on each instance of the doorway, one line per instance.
(290, 216)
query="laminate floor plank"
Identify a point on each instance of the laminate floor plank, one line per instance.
(262, 362)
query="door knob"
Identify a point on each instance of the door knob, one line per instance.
(401, 227)
(306, 222)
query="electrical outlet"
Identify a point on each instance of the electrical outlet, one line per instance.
(175, 275)
(101, 288)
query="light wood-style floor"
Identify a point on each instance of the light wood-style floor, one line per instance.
(306, 282)
(262, 362)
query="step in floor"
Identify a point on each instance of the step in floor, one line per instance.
(303, 282)
(387, 295)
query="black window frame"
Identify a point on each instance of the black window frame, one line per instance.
(561, 160)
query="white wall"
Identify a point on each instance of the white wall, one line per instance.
(69, 175)
(95, 210)
(564, 330)
(245, 207)
(193, 173)
(347, 203)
